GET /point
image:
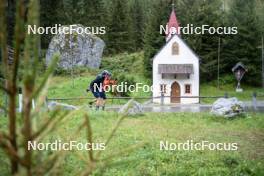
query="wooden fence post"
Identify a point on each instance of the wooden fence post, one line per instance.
(162, 98)
(254, 101)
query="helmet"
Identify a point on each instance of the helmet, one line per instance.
(106, 73)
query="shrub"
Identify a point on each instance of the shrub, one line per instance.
(76, 71)
(129, 63)
(125, 78)
(227, 79)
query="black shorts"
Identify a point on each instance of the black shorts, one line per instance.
(98, 94)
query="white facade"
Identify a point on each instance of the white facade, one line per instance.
(188, 83)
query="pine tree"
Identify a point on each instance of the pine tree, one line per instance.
(260, 10)
(119, 28)
(138, 23)
(50, 14)
(153, 40)
(208, 48)
(72, 11)
(92, 12)
(11, 20)
(205, 45)
(242, 47)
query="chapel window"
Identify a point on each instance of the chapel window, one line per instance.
(187, 88)
(175, 48)
(163, 88)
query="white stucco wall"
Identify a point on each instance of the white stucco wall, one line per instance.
(186, 56)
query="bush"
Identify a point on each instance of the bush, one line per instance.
(125, 78)
(61, 71)
(77, 71)
(129, 63)
(225, 80)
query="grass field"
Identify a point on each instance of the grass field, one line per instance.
(62, 86)
(212, 90)
(152, 128)
(132, 65)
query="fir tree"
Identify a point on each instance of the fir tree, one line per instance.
(72, 11)
(50, 14)
(119, 28)
(243, 46)
(11, 20)
(153, 40)
(138, 23)
(205, 45)
(92, 12)
(208, 48)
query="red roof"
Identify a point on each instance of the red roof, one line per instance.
(172, 23)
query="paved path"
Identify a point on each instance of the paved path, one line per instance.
(186, 108)
(181, 107)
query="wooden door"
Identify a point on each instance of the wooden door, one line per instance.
(175, 92)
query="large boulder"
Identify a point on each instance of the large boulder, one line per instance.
(76, 49)
(132, 107)
(228, 107)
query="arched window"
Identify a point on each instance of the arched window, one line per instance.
(175, 48)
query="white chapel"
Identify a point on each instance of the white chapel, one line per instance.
(175, 69)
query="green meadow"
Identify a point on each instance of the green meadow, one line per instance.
(63, 85)
(212, 40)
(149, 130)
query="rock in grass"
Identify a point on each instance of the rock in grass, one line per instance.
(76, 49)
(228, 107)
(53, 105)
(132, 107)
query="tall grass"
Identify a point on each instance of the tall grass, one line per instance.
(35, 124)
